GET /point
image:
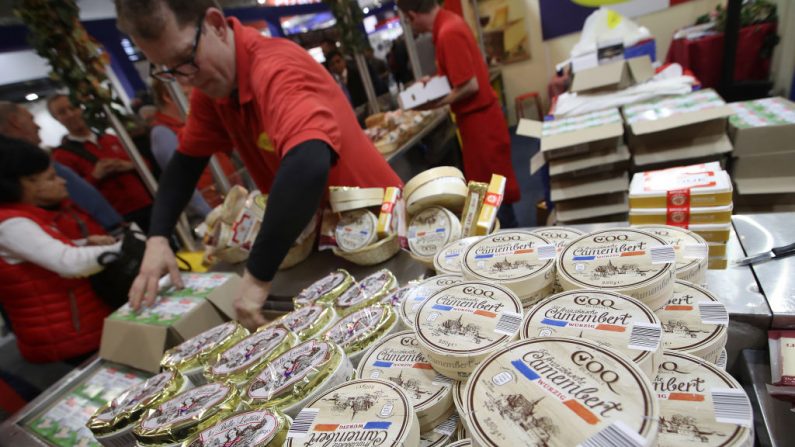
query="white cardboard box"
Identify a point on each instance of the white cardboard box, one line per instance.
(418, 94)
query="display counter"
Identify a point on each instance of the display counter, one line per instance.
(736, 287)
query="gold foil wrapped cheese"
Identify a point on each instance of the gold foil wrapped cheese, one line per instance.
(368, 291)
(324, 290)
(243, 360)
(190, 356)
(264, 427)
(357, 332)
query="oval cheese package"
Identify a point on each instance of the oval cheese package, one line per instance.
(113, 423)
(308, 321)
(264, 427)
(298, 376)
(360, 412)
(694, 322)
(241, 361)
(190, 356)
(560, 391)
(368, 291)
(324, 290)
(518, 260)
(700, 405)
(396, 297)
(398, 359)
(430, 230)
(360, 330)
(623, 260)
(176, 420)
(692, 251)
(419, 293)
(460, 325)
(448, 260)
(442, 433)
(356, 230)
(617, 321)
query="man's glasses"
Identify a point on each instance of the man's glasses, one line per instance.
(185, 69)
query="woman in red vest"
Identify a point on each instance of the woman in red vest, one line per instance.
(44, 289)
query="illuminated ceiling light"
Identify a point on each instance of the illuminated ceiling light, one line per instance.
(366, 10)
(31, 96)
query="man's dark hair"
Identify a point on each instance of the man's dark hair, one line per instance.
(18, 159)
(332, 54)
(146, 19)
(420, 6)
(52, 98)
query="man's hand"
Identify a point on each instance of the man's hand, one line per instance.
(122, 166)
(425, 80)
(103, 168)
(158, 259)
(100, 239)
(248, 303)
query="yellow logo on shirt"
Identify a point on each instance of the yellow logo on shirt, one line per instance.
(264, 142)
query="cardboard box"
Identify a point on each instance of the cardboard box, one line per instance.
(713, 233)
(589, 163)
(679, 216)
(592, 207)
(613, 76)
(418, 94)
(763, 126)
(587, 186)
(765, 174)
(139, 340)
(677, 128)
(591, 132)
(706, 185)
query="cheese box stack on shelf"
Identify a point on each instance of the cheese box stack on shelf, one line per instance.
(763, 132)
(670, 131)
(368, 226)
(696, 197)
(587, 165)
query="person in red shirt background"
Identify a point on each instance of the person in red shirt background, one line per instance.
(481, 123)
(102, 161)
(270, 100)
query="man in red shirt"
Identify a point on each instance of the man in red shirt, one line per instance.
(481, 123)
(266, 97)
(101, 161)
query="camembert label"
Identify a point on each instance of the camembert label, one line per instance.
(560, 236)
(561, 392)
(356, 326)
(420, 292)
(509, 256)
(290, 368)
(321, 287)
(693, 320)
(430, 230)
(250, 350)
(356, 230)
(244, 429)
(204, 342)
(187, 406)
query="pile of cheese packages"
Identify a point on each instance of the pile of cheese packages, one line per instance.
(389, 130)
(229, 231)
(542, 337)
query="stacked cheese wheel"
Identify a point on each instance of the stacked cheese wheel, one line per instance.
(357, 234)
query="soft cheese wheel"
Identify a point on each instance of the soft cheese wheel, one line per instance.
(623, 260)
(368, 291)
(308, 321)
(692, 251)
(441, 434)
(617, 321)
(448, 259)
(460, 325)
(360, 412)
(560, 391)
(443, 186)
(360, 330)
(430, 230)
(700, 405)
(344, 198)
(518, 260)
(398, 359)
(694, 322)
(419, 293)
(190, 356)
(242, 360)
(325, 289)
(248, 428)
(356, 230)
(560, 236)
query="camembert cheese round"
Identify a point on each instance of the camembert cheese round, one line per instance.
(460, 325)
(430, 230)
(360, 330)
(623, 260)
(419, 293)
(694, 322)
(610, 319)
(692, 251)
(367, 292)
(448, 260)
(190, 356)
(356, 230)
(518, 260)
(398, 359)
(358, 413)
(560, 236)
(443, 186)
(560, 391)
(308, 321)
(701, 405)
(324, 290)
(238, 363)
(248, 428)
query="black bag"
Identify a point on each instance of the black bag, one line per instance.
(113, 283)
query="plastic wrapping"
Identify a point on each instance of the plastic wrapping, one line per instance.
(244, 359)
(248, 428)
(358, 331)
(366, 292)
(308, 321)
(324, 290)
(189, 356)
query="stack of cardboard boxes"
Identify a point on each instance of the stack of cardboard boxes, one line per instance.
(588, 165)
(763, 133)
(677, 130)
(697, 197)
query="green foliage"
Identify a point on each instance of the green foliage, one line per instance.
(349, 19)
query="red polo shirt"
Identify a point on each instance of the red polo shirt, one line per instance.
(283, 98)
(458, 57)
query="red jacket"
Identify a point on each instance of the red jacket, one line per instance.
(54, 318)
(74, 223)
(125, 191)
(206, 185)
